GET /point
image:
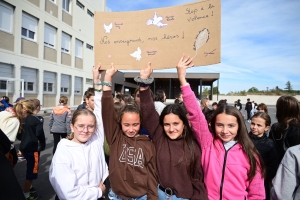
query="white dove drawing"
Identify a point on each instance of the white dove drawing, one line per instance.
(107, 28)
(137, 54)
(156, 21)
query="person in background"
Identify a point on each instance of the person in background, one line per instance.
(214, 105)
(159, 99)
(178, 98)
(262, 108)
(204, 104)
(89, 99)
(3, 107)
(286, 184)
(32, 143)
(60, 119)
(260, 124)
(248, 108)
(286, 131)
(83, 105)
(238, 105)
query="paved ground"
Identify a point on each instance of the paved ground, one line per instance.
(42, 184)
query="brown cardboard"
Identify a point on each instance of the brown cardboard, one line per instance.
(130, 43)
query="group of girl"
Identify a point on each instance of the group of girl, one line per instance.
(183, 157)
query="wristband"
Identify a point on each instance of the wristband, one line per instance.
(98, 90)
(97, 83)
(143, 85)
(145, 81)
(108, 84)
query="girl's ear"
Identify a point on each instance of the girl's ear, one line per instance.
(267, 128)
(72, 128)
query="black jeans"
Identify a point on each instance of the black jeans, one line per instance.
(248, 114)
(56, 137)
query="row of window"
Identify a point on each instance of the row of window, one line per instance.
(49, 81)
(29, 30)
(80, 5)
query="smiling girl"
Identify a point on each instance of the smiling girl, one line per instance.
(231, 164)
(78, 167)
(260, 124)
(132, 163)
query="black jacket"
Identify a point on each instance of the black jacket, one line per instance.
(267, 150)
(284, 138)
(248, 106)
(32, 136)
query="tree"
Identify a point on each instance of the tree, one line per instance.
(206, 91)
(288, 86)
(216, 90)
(253, 89)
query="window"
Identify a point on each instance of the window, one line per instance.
(52, 1)
(49, 36)
(89, 46)
(80, 5)
(89, 81)
(6, 17)
(49, 82)
(29, 27)
(30, 77)
(48, 87)
(65, 43)
(78, 48)
(90, 13)
(65, 84)
(66, 5)
(78, 85)
(2, 85)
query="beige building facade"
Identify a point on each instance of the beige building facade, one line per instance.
(47, 47)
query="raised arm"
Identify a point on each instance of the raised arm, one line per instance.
(149, 115)
(110, 123)
(196, 117)
(98, 97)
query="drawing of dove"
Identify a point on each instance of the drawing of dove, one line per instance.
(156, 21)
(137, 54)
(107, 28)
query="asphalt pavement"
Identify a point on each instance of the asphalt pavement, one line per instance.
(42, 184)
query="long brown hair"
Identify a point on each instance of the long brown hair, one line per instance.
(242, 138)
(288, 111)
(18, 108)
(188, 136)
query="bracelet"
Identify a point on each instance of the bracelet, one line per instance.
(97, 83)
(143, 85)
(108, 84)
(147, 81)
(98, 90)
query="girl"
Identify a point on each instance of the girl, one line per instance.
(132, 163)
(286, 132)
(59, 122)
(78, 167)
(159, 99)
(10, 121)
(178, 154)
(204, 104)
(260, 124)
(231, 164)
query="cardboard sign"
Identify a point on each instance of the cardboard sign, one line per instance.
(131, 39)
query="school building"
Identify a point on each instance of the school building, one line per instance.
(46, 46)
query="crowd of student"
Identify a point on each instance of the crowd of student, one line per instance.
(150, 150)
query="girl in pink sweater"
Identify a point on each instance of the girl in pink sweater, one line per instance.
(231, 164)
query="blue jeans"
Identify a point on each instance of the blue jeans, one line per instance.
(163, 196)
(112, 195)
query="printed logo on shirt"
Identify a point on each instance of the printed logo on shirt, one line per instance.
(132, 156)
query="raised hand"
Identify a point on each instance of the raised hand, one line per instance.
(145, 73)
(97, 73)
(110, 73)
(184, 63)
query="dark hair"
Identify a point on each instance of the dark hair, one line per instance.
(127, 99)
(76, 114)
(208, 114)
(262, 106)
(242, 138)
(6, 98)
(129, 108)
(63, 100)
(264, 116)
(118, 107)
(188, 135)
(159, 95)
(221, 102)
(288, 111)
(214, 103)
(90, 92)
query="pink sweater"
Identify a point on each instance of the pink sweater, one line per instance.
(225, 172)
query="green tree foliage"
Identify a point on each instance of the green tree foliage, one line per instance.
(253, 90)
(216, 90)
(288, 86)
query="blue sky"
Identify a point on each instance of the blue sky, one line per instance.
(260, 41)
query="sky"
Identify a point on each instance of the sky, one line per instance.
(260, 42)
